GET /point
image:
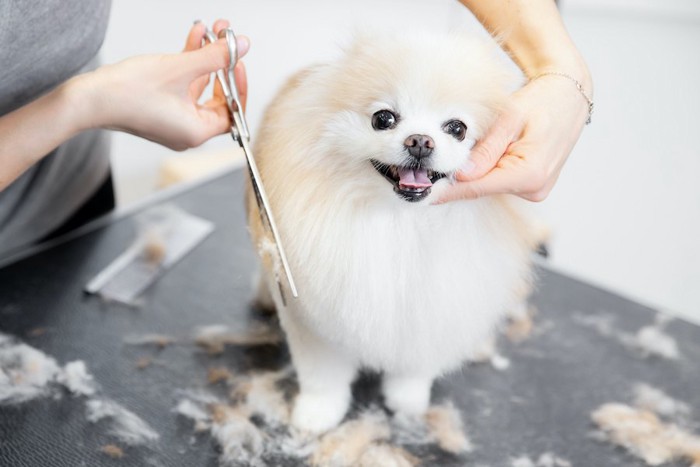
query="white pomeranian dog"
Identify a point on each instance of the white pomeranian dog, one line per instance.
(353, 155)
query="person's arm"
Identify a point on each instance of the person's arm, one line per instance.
(528, 144)
(32, 131)
(154, 96)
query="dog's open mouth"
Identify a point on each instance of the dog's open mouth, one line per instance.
(411, 183)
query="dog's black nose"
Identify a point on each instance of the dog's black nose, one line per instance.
(419, 146)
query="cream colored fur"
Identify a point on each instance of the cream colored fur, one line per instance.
(410, 289)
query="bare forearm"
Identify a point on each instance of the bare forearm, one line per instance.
(34, 130)
(533, 33)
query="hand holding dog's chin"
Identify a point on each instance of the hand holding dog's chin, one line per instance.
(525, 149)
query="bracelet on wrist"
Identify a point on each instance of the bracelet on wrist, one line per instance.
(579, 86)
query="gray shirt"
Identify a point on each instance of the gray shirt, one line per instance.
(43, 43)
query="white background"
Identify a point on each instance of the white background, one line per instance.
(625, 214)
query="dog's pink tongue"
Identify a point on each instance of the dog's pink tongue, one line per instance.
(414, 178)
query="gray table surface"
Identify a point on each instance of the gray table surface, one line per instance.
(541, 403)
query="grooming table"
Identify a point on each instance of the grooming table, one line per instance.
(540, 403)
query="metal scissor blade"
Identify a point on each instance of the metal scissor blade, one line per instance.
(240, 134)
(264, 204)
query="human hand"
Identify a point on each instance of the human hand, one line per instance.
(157, 96)
(526, 147)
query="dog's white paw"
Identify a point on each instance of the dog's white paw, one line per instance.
(316, 413)
(407, 396)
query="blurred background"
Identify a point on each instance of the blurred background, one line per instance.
(625, 214)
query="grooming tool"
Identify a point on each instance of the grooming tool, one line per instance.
(166, 235)
(240, 134)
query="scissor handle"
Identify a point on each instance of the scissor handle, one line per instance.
(228, 82)
(232, 46)
(233, 60)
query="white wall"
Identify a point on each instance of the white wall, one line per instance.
(626, 211)
(627, 208)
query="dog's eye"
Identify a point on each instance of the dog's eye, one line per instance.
(384, 120)
(456, 129)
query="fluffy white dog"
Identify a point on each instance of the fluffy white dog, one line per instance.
(353, 155)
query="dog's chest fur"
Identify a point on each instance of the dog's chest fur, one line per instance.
(401, 287)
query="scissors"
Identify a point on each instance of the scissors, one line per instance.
(240, 134)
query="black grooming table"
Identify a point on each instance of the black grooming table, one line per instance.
(540, 403)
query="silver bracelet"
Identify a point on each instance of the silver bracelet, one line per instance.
(579, 86)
